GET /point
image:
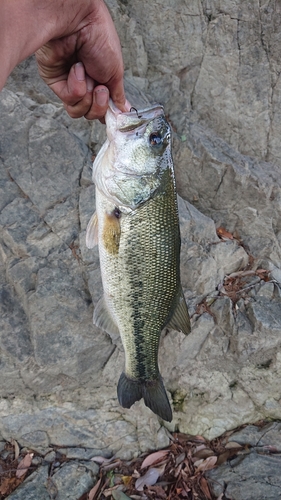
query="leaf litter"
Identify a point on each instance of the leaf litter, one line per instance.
(174, 473)
(15, 466)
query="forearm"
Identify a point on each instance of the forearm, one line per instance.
(26, 25)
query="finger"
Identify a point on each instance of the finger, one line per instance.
(76, 92)
(117, 94)
(99, 104)
(72, 89)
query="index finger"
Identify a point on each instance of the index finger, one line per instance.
(117, 94)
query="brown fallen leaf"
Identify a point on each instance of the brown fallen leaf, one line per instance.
(205, 453)
(94, 490)
(180, 458)
(224, 234)
(207, 464)
(102, 460)
(8, 484)
(17, 448)
(232, 444)
(157, 492)
(154, 458)
(205, 488)
(24, 465)
(148, 479)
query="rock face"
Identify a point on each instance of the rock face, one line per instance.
(215, 66)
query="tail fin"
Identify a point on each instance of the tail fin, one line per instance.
(152, 391)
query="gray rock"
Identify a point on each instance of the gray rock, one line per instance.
(268, 435)
(34, 487)
(72, 480)
(255, 477)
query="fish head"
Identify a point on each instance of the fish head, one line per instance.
(129, 166)
(140, 138)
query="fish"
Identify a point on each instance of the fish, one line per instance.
(136, 227)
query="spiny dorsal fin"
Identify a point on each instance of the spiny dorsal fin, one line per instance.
(180, 320)
(102, 318)
(92, 232)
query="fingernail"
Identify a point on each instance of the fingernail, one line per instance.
(79, 71)
(101, 97)
(89, 83)
(127, 105)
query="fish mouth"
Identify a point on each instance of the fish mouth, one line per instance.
(135, 118)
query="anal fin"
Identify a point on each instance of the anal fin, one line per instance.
(103, 319)
(180, 320)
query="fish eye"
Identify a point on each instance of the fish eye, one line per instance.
(155, 139)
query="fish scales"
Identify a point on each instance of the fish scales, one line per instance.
(137, 229)
(136, 277)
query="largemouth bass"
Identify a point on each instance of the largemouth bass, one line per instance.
(137, 229)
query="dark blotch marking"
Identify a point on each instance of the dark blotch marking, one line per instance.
(117, 213)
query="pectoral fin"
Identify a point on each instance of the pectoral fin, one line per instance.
(103, 319)
(92, 232)
(180, 320)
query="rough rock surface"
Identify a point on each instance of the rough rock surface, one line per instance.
(254, 476)
(215, 67)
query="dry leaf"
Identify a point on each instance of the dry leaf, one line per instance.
(17, 448)
(205, 453)
(224, 234)
(102, 460)
(94, 490)
(232, 444)
(126, 480)
(149, 479)
(200, 447)
(180, 458)
(154, 457)
(198, 462)
(207, 464)
(205, 488)
(24, 465)
(271, 449)
(136, 474)
(8, 484)
(157, 492)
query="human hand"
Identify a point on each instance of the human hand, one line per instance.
(84, 66)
